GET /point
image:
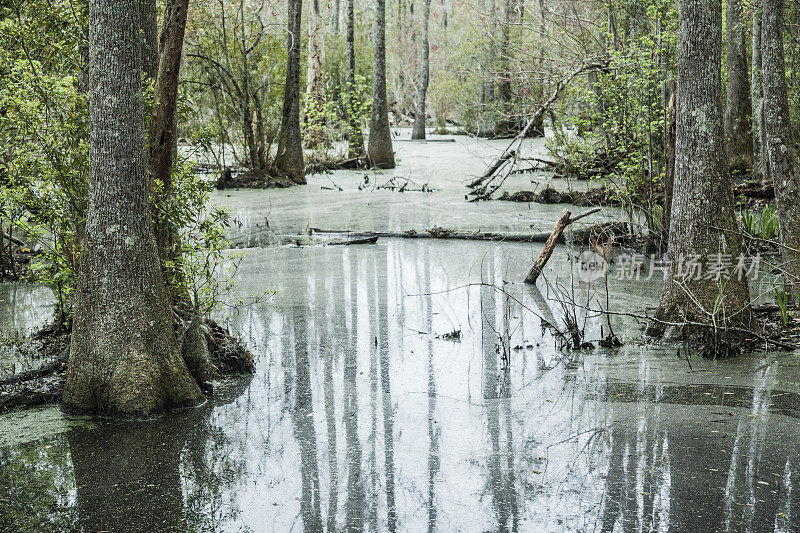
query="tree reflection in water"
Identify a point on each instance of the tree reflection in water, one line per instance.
(361, 417)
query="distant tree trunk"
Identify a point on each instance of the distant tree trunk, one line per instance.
(702, 218)
(760, 155)
(780, 144)
(337, 16)
(245, 95)
(738, 135)
(263, 145)
(424, 75)
(149, 35)
(289, 158)
(504, 87)
(379, 148)
(163, 135)
(486, 123)
(315, 93)
(124, 357)
(355, 136)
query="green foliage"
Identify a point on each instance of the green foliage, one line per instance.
(44, 155)
(235, 60)
(44, 138)
(769, 226)
(765, 226)
(324, 126)
(622, 112)
(199, 227)
(750, 224)
(782, 300)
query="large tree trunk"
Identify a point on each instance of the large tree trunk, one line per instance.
(738, 136)
(760, 155)
(124, 357)
(669, 175)
(424, 75)
(315, 93)
(355, 148)
(289, 158)
(379, 149)
(163, 123)
(149, 37)
(780, 145)
(702, 218)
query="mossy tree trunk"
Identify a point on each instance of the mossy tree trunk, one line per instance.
(738, 132)
(124, 358)
(379, 147)
(783, 162)
(702, 221)
(760, 155)
(289, 158)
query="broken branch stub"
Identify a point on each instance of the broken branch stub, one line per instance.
(563, 221)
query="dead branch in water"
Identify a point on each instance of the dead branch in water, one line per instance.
(491, 175)
(45, 370)
(564, 221)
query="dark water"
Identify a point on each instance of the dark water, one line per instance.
(361, 417)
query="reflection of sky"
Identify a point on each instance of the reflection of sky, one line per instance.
(561, 450)
(24, 308)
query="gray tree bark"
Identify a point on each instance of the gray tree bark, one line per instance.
(760, 155)
(336, 17)
(418, 131)
(778, 136)
(702, 218)
(124, 357)
(289, 158)
(355, 143)
(379, 147)
(738, 133)
(163, 123)
(149, 37)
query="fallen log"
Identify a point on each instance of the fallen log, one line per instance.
(563, 221)
(754, 189)
(619, 230)
(45, 370)
(426, 141)
(29, 397)
(365, 240)
(14, 240)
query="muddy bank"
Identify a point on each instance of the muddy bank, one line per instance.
(47, 353)
(600, 196)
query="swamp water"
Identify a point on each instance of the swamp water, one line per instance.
(398, 388)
